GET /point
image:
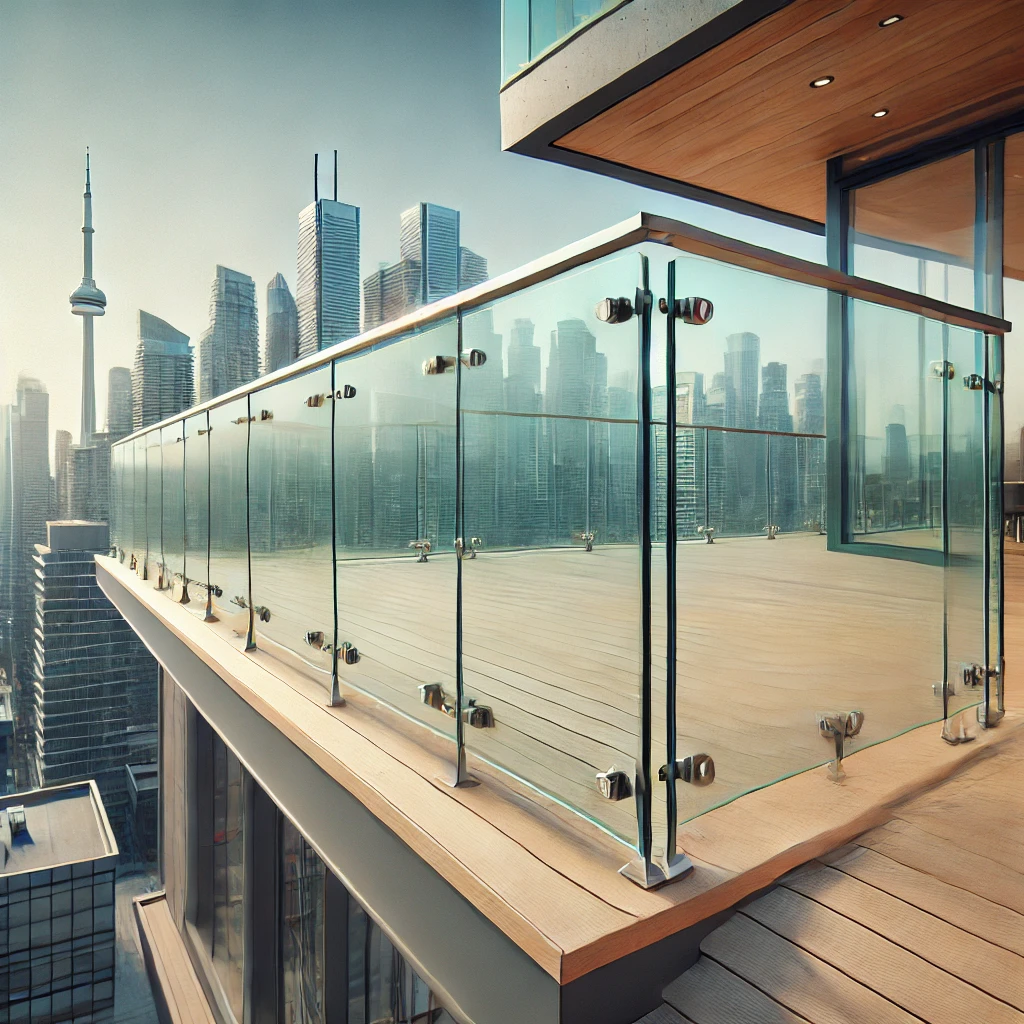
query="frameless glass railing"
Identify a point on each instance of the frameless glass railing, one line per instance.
(529, 28)
(498, 519)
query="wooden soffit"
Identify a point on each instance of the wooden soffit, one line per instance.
(742, 119)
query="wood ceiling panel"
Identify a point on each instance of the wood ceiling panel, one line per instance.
(741, 118)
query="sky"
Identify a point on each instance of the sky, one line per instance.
(202, 120)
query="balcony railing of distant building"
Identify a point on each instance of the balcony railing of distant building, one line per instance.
(463, 516)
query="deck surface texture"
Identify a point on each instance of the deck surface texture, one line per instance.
(768, 634)
(788, 629)
(920, 919)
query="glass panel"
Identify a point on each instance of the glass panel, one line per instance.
(117, 520)
(965, 567)
(173, 500)
(916, 230)
(894, 442)
(140, 535)
(229, 552)
(197, 510)
(771, 632)
(302, 929)
(394, 449)
(154, 507)
(290, 515)
(551, 628)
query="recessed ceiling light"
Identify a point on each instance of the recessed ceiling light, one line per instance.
(823, 81)
(891, 20)
(881, 113)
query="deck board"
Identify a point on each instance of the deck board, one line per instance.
(917, 919)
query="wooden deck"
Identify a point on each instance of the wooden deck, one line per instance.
(769, 633)
(921, 919)
(545, 876)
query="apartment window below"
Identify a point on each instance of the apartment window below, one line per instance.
(223, 796)
(303, 879)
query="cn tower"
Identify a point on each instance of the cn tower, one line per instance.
(87, 301)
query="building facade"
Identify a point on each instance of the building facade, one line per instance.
(57, 860)
(94, 688)
(119, 402)
(229, 348)
(327, 281)
(162, 380)
(281, 343)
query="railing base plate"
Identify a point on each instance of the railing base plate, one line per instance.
(649, 875)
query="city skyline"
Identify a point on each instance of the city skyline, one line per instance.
(244, 197)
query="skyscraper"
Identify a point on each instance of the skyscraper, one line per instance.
(119, 402)
(281, 342)
(229, 348)
(162, 381)
(432, 266)
(87, 301)
(810, 404)
(430, 236)
(327, 285)
(62, 470)
(742, 363)
(95, 684)
(773, 413)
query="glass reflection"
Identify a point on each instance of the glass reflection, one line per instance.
(302, 929)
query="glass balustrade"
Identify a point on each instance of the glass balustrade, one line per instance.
(532, 27)
(633, 558)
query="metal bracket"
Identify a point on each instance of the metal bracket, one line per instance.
(348, 391)
(941, 369)
(697, 769)
(707, 532)
(976, 382)
(468, 550)
(240, 601)
(474, 357)
(614, 311)
(477, 716)
(691, 310)
(262, 612)
(244, 419)
(586, 538)
(348, 653)
(974, 676)
(316, 401)
(772, 531)
(614, 784)
(423, 547)
(954, 731)
(437, 365)
(266, 415)
(838, 726)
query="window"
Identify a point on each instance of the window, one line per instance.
(303, 878)
(220, 909)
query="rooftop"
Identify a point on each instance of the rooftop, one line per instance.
(63, 825)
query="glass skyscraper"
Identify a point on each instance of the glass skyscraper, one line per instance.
(162, 382)
(119, 402)
(281, 344)
(432, 266)
(229, 348)
(327, 286)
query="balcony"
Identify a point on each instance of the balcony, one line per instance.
(514, 591)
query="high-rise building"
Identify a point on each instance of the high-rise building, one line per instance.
(119, 402)
(810, 404)
(281, 341)
(62, 471)
(472, 268)
(95, 685)
(742, 363)
(773, 413)
(57, 861)
(430, 236)
(89, 480)
(229, 348)
(87, 301)
(162, 380)
(327, 285)
(432, 266)
(27, 506)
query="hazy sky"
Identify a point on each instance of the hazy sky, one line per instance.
(202, 121)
